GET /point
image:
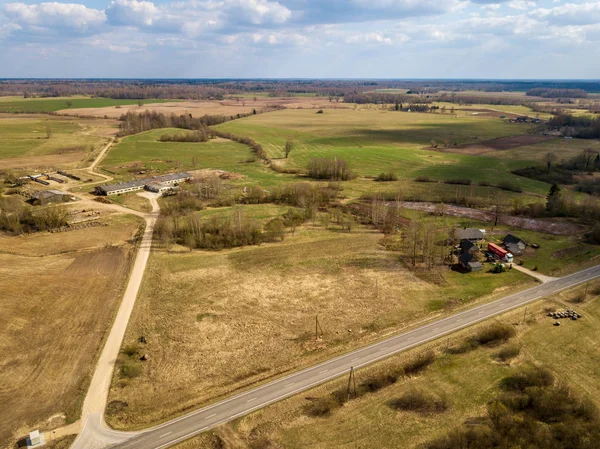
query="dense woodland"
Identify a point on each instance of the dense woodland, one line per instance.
(197, 89)
(556, 93)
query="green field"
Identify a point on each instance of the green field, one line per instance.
(145, 151)
(25, 140)
(41, 105)
(373, 141)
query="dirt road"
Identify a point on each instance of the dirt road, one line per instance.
(92, 416)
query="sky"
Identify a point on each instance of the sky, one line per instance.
(484, 39)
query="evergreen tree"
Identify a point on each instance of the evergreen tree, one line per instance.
(553, 199)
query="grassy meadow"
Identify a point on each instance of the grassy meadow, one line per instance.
(43, 141)
(467, 382)
(146, 151)
(376, 141)
(217, 322)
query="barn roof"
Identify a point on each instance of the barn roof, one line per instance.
(470, 234)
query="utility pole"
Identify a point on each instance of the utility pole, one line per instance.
(317, 328)
(524, 315)
(351, 382)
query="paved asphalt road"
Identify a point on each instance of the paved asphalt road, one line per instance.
(196, 422)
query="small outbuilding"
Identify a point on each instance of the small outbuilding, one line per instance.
(514, 245)
(35, 439)
(51, 196)
(469, 262)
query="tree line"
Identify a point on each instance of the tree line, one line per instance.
(200, 89)
(546, 92)
(18, 218)
(199, 135)
(583, 127)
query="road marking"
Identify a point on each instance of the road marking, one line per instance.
(324, 371)
(250, 400)
(354, 360)
(168, 433)
(208, 417)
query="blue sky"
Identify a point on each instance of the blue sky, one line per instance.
(301, 38)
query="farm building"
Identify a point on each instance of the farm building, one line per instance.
(471, 234)
(468, 262)
(123, 187)
(165, 181)
(467, 246)
(51, 196)
(514, 244)
(158, 187)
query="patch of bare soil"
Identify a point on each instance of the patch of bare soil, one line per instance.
(485, 112)
(498, 144)
(534, 224)
(208, 173)
(227, 107)
(569, 252)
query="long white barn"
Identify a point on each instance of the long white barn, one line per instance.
(140, 184)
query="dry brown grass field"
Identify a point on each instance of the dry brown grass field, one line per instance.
(59, 294)
(467, 381)
(220, 322)
(229, 106)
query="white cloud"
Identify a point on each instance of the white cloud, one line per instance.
(277, 38)
(522, 5)
(570, 14)
(132, 12)
(54, 18)
(256, 12)
(369, 38)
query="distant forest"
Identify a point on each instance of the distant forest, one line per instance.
(197, 89)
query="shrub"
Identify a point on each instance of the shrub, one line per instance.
(528, 377)
(381, 380)
(383, 177)
(464, 182)
(508, 352)
(331, 169)
(505, 185)
(494, 334)
(422, 178)
(130, 350)
(488, 336)
(321, 406)
(419, 363)
(419, 401)
(131, 369)
(594, 235)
